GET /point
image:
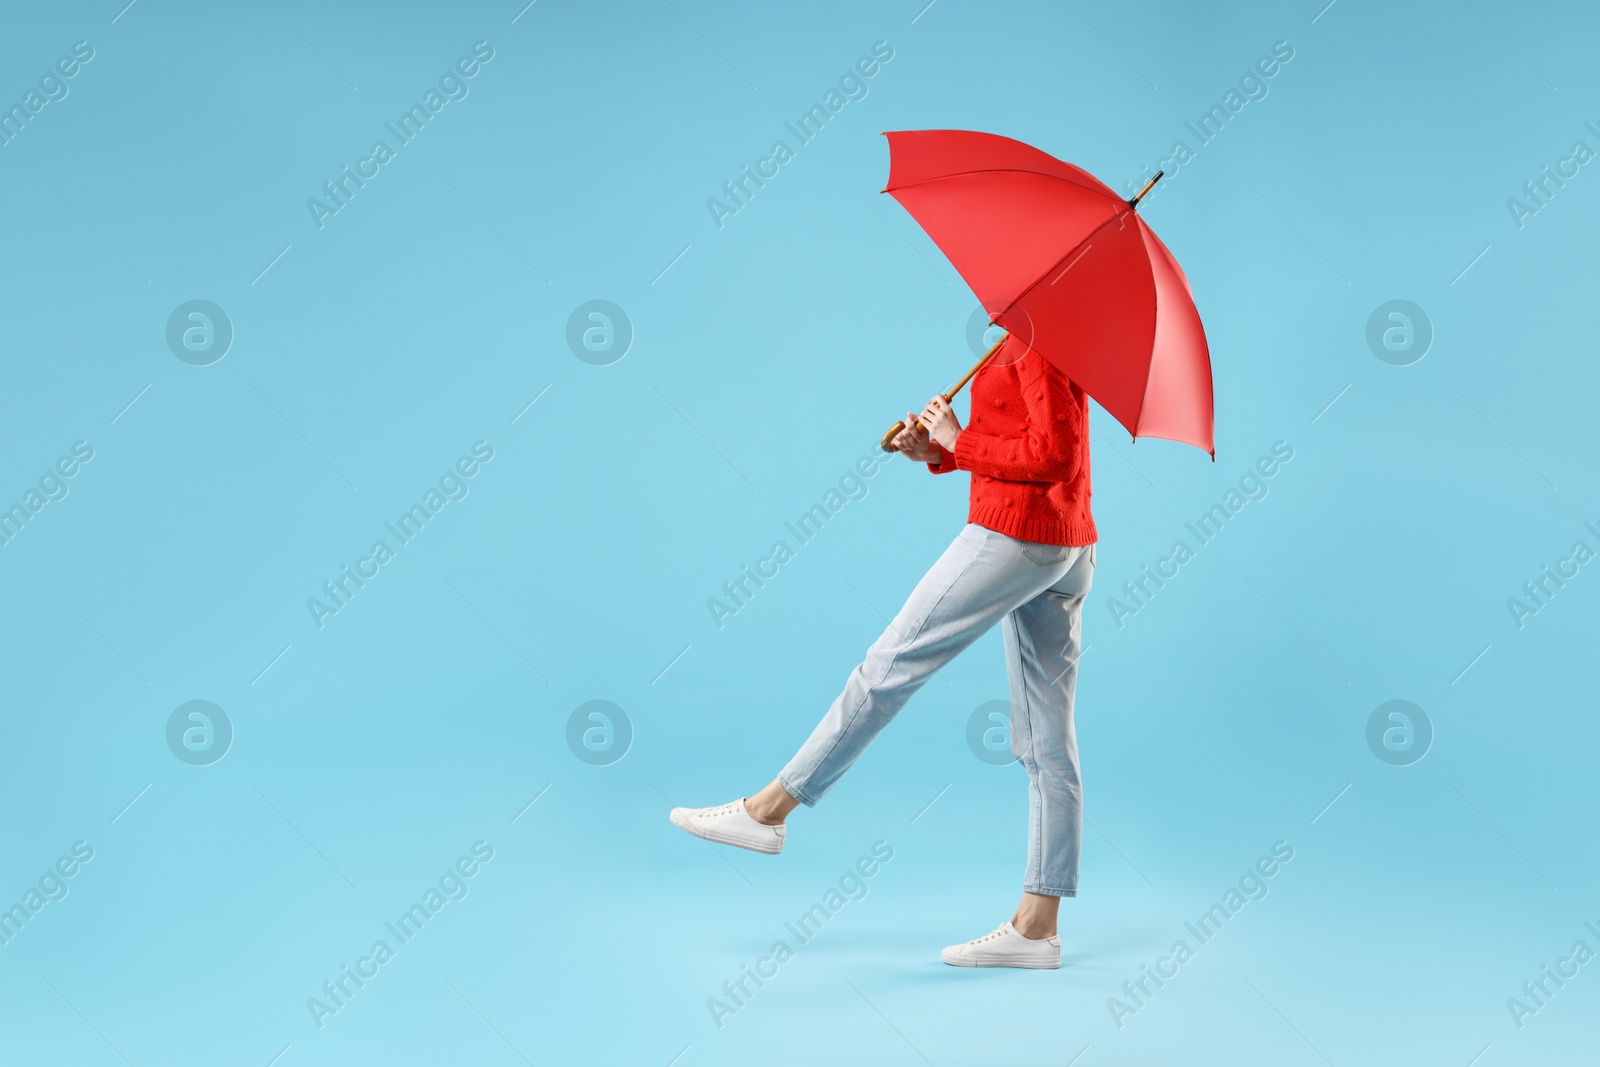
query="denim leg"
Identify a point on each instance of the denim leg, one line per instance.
(1044, 638)
(980, 578)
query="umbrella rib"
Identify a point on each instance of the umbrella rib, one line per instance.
(1106, 194)
(1155, 298)
(1145, 236)
(1071, 252)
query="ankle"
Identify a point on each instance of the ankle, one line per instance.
(1036, 931)
(762, 813)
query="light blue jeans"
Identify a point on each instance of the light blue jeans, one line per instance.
(984, 577)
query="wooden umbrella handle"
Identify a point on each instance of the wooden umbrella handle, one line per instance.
(895, 430)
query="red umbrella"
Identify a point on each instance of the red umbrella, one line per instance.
(1063, 263)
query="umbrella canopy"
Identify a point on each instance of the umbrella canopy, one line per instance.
(1063, 263)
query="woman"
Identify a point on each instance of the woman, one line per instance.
(1024, 559)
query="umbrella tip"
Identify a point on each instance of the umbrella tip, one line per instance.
(1134, 203)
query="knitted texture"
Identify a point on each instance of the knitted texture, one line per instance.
(1026, 445)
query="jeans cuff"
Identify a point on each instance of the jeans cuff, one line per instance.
(796, 793)
(1046, 891)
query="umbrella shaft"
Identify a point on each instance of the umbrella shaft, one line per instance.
(967, 377)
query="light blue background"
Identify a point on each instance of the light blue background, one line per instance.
(426, 715)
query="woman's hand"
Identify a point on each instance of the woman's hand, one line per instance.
(941, 422)
(913, 442)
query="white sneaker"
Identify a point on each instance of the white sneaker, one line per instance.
(730, 824)
(1006, 948)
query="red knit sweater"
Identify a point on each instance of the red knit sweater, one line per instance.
(1027, 447)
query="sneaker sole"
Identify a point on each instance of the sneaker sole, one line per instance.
(994, 961)
(725, 839)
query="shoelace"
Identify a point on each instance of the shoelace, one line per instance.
(999, 931)
(726, 809)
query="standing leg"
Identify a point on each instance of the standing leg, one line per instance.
(1044, 638)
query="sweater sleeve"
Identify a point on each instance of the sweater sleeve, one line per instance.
(1048, 448)
(947, 461)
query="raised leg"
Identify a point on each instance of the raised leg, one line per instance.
(978, 580)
